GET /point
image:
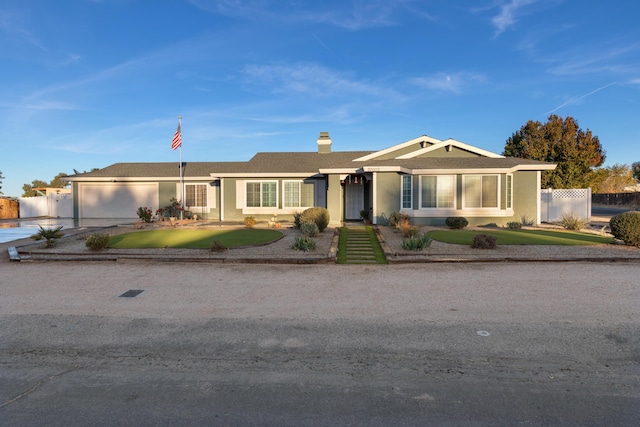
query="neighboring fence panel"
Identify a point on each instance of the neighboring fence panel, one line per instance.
(617, 199)
(8, 208)
(555, 203)
(55, 206)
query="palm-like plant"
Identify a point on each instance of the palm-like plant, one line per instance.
(49, 234)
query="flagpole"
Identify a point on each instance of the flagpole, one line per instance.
(181, 179)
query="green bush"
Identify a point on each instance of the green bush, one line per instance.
(217, 246)
(296, 220)
(573, 222)
(145, 214)
(626, 227)
(484, 241)
(456, 222)
(97, 242)
(415, 243)
(309, 229)
(318, 215)
(396, 218)
(305, 244)
(514, 225)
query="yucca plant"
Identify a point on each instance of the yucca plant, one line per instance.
(48, 234)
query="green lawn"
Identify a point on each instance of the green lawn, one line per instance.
(522, 237)
(193, 238)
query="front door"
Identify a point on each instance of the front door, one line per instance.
(353, 200)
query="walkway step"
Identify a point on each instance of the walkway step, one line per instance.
(357, 244)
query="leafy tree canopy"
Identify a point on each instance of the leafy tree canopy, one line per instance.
(28, 190)
(612, 179)
(635, 168)
(1, 178)
(575, 151)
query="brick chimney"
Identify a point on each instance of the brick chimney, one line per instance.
(324, 143)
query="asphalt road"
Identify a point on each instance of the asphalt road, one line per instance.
(452, 344)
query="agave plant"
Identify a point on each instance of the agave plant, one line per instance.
(49, 234)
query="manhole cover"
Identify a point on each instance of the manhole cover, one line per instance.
(132, 293)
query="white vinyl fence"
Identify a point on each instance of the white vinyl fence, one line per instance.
(54, 206)
(555, 203)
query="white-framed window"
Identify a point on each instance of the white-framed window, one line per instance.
(407, 192)
(297, 194)
(437, 191)
(509, 204)
(261, 194)
(195, 195)
(481, 191)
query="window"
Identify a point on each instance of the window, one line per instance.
(509, 191)
(438, 191)
(481, 191)
(297, 194)
(262, 194)
(407, 192)
(195, 195)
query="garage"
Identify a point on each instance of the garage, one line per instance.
(116, 200)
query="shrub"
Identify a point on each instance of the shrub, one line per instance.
(396, 217)
(49, 234)
(145, 214)
(573, 222)
(364, 214)
(217, 246)
(626, 227)
(415, 243)
(97, 242)
(318, 215)
(249, 221)
(305, 244)
(526, 221)
(514, 225)
(456, 222)
(484, 241)
(407, 229)
(296, 220)
(309, 229)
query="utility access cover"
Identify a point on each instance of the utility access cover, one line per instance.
(131, 293)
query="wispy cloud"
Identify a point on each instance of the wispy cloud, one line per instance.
(509, 13)
(13, 26)
(449, 82)
(352, 15)
(577, 99)
(311, 79)
(595, 59)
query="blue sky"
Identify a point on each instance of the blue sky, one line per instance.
(88, 83)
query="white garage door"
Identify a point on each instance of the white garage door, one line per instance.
(116, 200)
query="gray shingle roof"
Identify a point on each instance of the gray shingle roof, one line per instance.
(300, 162)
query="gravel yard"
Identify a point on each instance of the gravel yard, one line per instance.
(72, 246)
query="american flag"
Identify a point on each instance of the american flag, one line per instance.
(177, 139)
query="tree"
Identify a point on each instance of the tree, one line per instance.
(635, 168)
(576, 152)
(28, 190)
(612, 179)
(1, 178)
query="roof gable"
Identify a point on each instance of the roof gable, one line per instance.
(425, 146)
